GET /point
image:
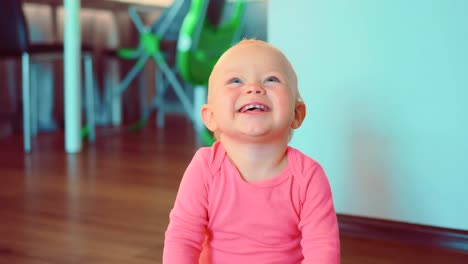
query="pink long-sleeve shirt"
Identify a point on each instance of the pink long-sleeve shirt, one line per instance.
(220, 218)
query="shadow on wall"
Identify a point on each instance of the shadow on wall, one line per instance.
(370, 170)
(371, 167)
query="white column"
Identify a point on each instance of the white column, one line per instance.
(72, 69)
(114, 73)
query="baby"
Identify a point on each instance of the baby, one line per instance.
(251, 198)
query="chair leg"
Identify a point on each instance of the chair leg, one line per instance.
(34, 98)
(11, 80)
(139, 65)
(175, 84)
(113, 111)
(89, 95)
(159, 100)
(125, 83)
(26, 102)
(116, 102)
(143, 94)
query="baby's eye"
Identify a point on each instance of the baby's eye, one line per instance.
(272, 79)
(235, 80)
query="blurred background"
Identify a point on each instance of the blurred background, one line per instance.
(105, 25)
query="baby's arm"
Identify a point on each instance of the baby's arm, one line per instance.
(320, 236)
(186, 231)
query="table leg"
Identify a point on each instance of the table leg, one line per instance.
(72, 69)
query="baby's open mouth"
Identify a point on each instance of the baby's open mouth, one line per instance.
(254, 108)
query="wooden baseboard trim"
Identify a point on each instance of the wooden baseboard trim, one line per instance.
(372, 228)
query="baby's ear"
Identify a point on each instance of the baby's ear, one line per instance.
(208, 117)
(299, 115)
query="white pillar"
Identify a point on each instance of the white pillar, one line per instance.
(72, 69)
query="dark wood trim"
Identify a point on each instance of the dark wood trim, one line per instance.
(379, 229)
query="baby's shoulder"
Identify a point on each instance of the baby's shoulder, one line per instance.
(211, 157)
(302, 165)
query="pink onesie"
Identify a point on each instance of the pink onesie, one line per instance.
(287, 219)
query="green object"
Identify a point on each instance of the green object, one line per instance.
(199, 47)
(84, 132)
(207, 137)
(139, 125)
(150, 43)
(126, 53)
(201, 44)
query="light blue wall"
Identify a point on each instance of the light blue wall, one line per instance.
(386, 85)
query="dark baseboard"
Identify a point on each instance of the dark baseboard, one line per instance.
(372, 228)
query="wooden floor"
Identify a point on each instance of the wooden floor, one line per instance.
(110, 203)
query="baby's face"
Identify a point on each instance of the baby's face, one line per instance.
(252, 94)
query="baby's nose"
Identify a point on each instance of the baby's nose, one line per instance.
(255, 89)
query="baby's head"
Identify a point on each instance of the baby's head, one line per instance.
(253, 94)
